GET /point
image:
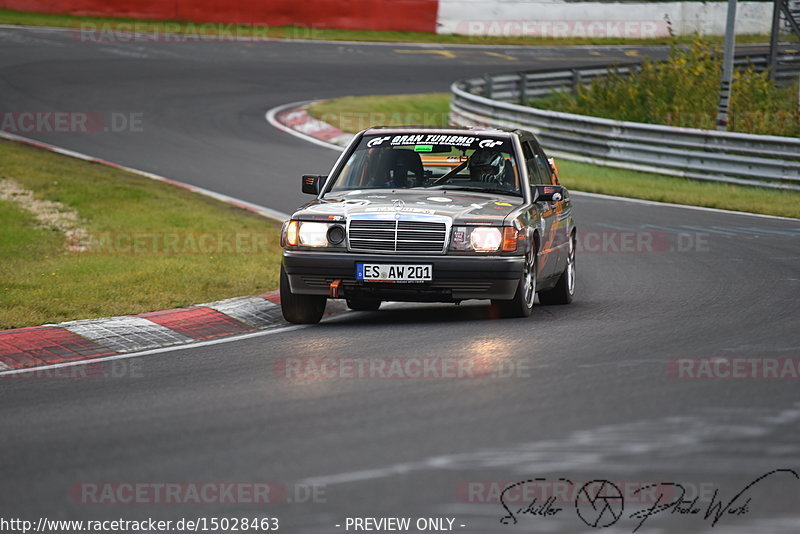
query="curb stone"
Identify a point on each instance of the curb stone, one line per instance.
(298, 119)
(37, 346)
(294, 119)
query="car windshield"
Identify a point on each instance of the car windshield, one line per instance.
(466, 162)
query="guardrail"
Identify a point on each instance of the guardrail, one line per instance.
(746, 159)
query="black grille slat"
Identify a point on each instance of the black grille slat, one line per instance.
(372, 234)
(372, 245)
(372, 225)
(421, 226)
(397, 236)
(422, 247)
(420, 236)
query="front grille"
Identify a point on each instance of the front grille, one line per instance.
(372, 235)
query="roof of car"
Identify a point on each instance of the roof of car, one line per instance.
(449, 130)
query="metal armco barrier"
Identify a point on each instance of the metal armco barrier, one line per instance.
(746, 159)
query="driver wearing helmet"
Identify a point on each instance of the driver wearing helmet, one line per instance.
(486, 165)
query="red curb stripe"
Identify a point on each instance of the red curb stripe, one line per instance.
(39, 346)
(198, 323)
(42, 345)
(273, 296)
(298, 119)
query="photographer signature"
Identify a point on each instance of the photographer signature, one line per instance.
(600, 503)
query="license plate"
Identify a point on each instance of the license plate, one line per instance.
(384, 272)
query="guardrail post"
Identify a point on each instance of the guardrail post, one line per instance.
(523, 88)
(772, 62)
(487, 87)
(576, 79)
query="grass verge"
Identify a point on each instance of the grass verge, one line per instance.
(112, 24)
(351, 113)
(152, 246)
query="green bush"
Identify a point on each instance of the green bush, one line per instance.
(684, 91)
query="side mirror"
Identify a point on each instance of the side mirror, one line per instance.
(312, 183)
(547, 193)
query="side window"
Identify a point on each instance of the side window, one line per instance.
(544, 165)
(537, 177)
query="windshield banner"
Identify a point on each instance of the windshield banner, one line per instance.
(463, 141)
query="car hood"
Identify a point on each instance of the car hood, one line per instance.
(461, 206)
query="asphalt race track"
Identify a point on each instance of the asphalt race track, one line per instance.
(591, 393)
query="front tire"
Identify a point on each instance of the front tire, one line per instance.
(564, 290)
(522, 303)
(300, 309)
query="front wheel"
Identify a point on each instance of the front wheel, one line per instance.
(522, 303)
(564, 290)
(300, 309)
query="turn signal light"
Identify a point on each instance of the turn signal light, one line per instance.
(292, 232)
(510, 235)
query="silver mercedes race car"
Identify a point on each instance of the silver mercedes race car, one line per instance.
(431, 215)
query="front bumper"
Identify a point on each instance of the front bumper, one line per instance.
(455, 278)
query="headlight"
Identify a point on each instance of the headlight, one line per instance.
(313, 234)
(485, 239)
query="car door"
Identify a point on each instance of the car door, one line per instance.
(561, 211)
(548, 251)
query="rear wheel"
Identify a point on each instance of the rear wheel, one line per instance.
(564, 290)
(363, 304)
(522, 303)
(300, 309)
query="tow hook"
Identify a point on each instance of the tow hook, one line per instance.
(334, 289)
